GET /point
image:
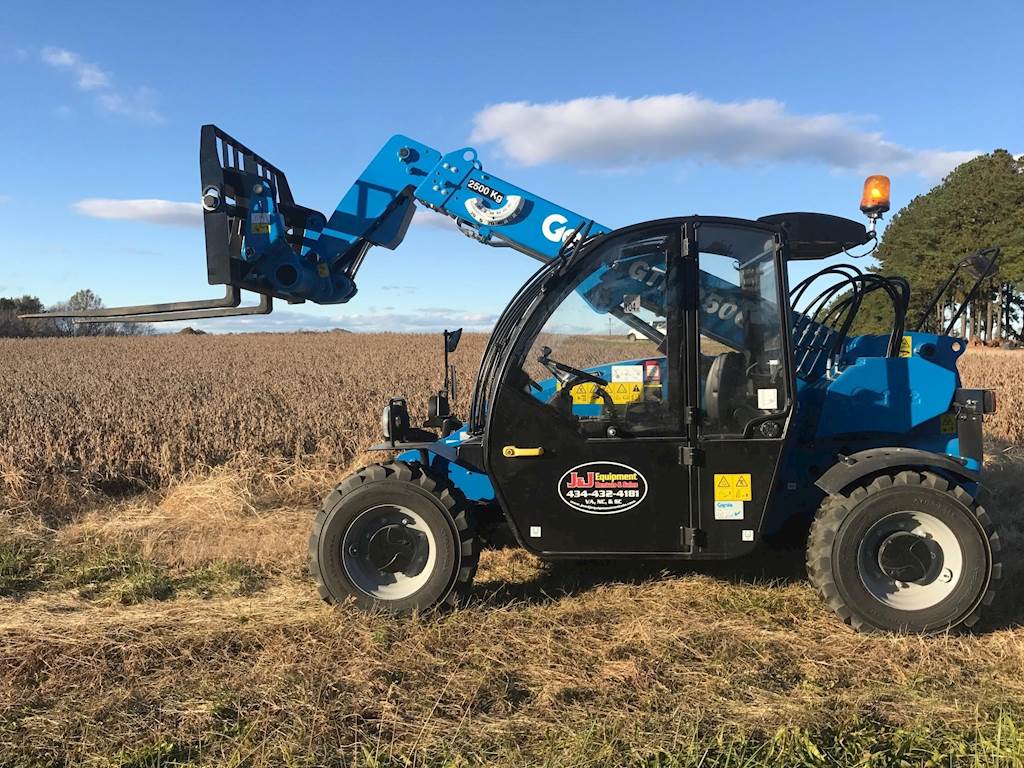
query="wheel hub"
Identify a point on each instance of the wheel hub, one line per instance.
(391, 549)
(910, 560)
(388, 552)
(907, 557)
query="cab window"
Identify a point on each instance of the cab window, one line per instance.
(743, 376)
(599, 359)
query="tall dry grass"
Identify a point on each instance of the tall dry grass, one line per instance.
(81, 414)
(109, 414)
(1003, 371)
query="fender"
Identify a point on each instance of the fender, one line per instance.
(851, 468)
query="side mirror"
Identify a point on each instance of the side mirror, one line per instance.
(980, 265)
(451, 343)
(451, 340)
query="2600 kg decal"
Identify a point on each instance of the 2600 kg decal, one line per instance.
(602, 487)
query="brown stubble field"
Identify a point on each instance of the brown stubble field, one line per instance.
(154, 608)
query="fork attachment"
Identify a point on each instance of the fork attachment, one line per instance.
(203, 309)
(243, 197)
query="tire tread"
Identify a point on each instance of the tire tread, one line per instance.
(836, 507)
(441, 489)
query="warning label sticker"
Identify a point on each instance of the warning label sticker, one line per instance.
(768, 399)
(627, 373)
(947, 424)
(652, 373)
(621, 392)
(906, 346)
(733, 487)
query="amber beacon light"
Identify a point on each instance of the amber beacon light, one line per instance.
(875, 200)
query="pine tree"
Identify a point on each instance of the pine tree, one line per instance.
(979, 204)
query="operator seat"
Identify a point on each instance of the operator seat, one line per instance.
(725, 393)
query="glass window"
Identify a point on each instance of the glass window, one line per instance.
(741, 354)
(599, 359)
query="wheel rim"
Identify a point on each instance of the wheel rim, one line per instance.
(910, 561)
(388, 552)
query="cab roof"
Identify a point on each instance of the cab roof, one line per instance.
(818, 235)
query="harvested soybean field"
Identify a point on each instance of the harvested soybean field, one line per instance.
(156, 499)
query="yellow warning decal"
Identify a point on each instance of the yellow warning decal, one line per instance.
(732, 487)
(261, 229)
(621, 392)
(947, 423)
(906, 346)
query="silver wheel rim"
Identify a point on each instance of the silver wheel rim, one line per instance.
(936, 570)
(414, 548)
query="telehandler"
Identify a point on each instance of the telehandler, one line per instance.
(745, 411)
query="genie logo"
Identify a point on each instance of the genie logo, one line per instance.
(554, 229)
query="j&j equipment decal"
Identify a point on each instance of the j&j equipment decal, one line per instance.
(602, 487)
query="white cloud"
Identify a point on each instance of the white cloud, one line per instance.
(152, 211)
(190, 214)
(89, 76)
(425, 218)
(138, 104)
(612, 133)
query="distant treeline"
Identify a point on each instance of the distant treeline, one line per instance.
(11, 326)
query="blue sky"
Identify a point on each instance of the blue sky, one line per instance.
(623, 112)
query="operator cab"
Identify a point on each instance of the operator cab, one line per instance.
(604, 347)
(709, 374)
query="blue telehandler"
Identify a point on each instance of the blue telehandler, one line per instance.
(725, 411)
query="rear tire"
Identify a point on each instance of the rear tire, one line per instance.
(396, 538)
(907, 552)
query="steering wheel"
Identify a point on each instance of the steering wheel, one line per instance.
(569, 377)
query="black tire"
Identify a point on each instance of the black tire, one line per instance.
(435, 500)
(835, 559)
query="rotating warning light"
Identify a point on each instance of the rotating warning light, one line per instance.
(875, 200)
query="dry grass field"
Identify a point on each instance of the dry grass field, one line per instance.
(154, 608)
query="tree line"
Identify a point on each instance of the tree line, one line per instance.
(980, 204)
(12, 326)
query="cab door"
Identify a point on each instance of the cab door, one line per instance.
(585, 431)
(745, 383)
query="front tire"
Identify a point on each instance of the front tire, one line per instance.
(904, 553)
(393, 537)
